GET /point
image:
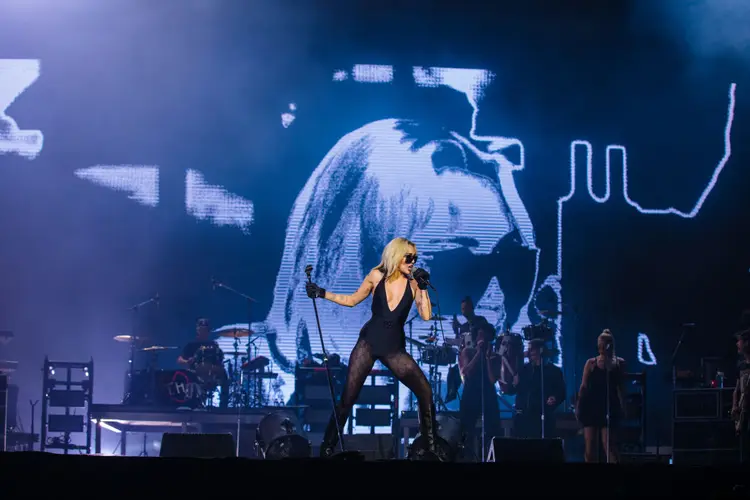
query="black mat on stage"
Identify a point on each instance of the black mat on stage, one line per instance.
(33, 473)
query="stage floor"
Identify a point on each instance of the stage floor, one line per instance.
(32, 473)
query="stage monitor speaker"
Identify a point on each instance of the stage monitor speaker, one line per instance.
(520, 450)
(197, 445)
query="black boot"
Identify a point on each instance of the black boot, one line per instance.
(428, 430)
(331, 436)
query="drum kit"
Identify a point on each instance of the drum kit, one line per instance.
(434, 354)
(239, 379)
(245, 370)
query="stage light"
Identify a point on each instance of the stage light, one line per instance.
(277, 437)
(447, 442)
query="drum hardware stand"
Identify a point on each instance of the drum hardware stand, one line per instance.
(133, 338)
(329, 376)
(144, 453)
(541, 378)
(33, 412)
(482, 374)
(436, 381)
(216, 283)
(439, 402)
(235, 382)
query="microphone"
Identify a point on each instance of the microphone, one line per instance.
(215, 282)
(421, 280)
(308, 271)
(156, 300)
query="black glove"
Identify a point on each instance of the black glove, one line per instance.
(422, 278)
(314, 291)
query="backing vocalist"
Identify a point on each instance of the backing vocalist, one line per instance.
(394, 285)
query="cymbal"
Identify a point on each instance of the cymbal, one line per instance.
(233, 333)
(438, 318)
(427, 338)
(128, 338)
(158, 348)
(416, 342)
(453, 342)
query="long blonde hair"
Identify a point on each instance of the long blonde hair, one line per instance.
(393, 253)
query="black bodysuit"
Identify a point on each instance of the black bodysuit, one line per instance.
(384, 332)
(593, 403)
(383, 339)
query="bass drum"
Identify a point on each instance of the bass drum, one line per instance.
(179, 388)
(277, 437)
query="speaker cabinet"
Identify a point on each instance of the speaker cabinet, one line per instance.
(197, 445)
(520, 450)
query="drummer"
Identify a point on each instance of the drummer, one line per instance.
(463, 331)
(202, 341)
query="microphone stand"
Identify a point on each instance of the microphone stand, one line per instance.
(329, 376)
(133, 336)
(609, 438)
(674, 356)
(411, 353)
(673, 361)
(541, 377)
(250, 302)
(481, 387)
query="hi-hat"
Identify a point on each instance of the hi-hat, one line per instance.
(157, 348)
(128, 338)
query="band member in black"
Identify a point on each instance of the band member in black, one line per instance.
(527, 385)
(599, 414)
(741, 398)
(204, 356)
(202, 339)
(480, 368)
(394, 285)
(473, 320)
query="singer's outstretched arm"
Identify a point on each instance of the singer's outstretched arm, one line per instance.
(422, 299)
(365, 289)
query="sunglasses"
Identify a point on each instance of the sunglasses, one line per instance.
(410, 258)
